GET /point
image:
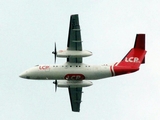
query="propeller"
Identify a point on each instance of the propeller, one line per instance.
(55, 82)
(55, 52)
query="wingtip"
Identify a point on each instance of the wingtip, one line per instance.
(74, 15)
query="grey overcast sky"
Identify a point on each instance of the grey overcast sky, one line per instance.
(28, 29)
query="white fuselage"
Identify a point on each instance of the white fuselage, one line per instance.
(68, 71)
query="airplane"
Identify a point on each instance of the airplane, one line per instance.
(74, 74)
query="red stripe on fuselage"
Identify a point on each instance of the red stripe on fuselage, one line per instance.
(111, 70)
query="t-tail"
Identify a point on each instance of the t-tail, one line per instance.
(134, 58)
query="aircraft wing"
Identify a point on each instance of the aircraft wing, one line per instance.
(74, 39)
(75, 98)
(75, 44)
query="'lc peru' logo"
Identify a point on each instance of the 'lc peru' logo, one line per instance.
(74, 77)
(43, 67)
(132, 59)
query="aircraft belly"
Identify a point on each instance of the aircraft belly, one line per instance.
(102, 72)
(79, 73)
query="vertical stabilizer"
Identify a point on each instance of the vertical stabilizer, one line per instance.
(134, 58)
(136, 55)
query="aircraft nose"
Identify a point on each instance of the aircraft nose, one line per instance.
(24, 75)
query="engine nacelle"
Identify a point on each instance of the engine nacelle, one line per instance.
(72, 53)
(74, 83)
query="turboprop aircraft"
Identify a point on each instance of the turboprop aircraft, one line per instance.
(74, 74)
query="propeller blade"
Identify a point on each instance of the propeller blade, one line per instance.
(55, 55)
(55, 52)
(55, 82)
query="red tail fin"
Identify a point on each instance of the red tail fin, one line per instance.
(134, 58)
(136, 55)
